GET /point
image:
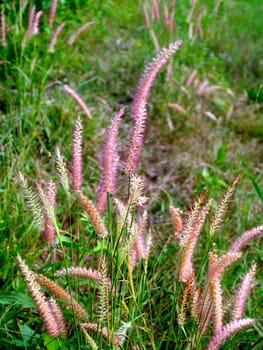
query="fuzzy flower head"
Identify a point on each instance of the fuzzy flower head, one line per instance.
(44, 308)
(138, 111)
(109, 162)
(76, 162)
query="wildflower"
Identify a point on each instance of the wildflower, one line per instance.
(94, 215)
(109, 162)
(54, 38)
(242, 293)
(225, 332)
(76, 162)
(59, 292)
(73, 37)
(44, 308)
(138, 110)
(245, 238)
(78, 99)
(52, 13)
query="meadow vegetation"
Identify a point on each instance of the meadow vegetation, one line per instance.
(131, 175)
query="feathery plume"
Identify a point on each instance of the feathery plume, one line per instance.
(76, 161)
(54, 38)
(139, 248)
(195, 305)
(177, 222)
(245, 238)
(186, 268)
(48, 200)
(156, 10)
(81, 272)
(31, 19)
(124, 216)
(138, 110)
(109, 162)
(188, 289)
(33, 202)
(103, 295)
(3, 28)
(216, 268)
(191, 77)
(78, 99)
(146, 15)
(222, 207)
(193, 215)
(35, 23)
(62, 170)
(94, 215)
(59, 292)
(73, 37)
(136, 198)
(135, 143)
(177, 107)
(221, 336)
(242, 292)
(155, 40)
(49, 214)
(58, 316)
(149, 75)
(29, 30)
(217, 298)
(45, 311)
(204, 309)
(52, 13)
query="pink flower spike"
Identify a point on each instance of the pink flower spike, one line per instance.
(76, 162)
(52, 13)
(148, 77)
(35, 24)
(220, 337)
(135, 142)
(78, 99)
(50, 232)
(109, 162)
(138, 110)
(43, 306)
(54, 38)
(245, 238)
(242, 294)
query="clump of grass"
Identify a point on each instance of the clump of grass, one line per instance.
(118, 299)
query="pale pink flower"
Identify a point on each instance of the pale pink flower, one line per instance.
(81, 272)
(109, 162)
(138, 110)
(44, 308)
(76, 161)
(242, 292)
(35, 24)
(245, 238)
(221, 336)
(54, 38)
(78, 99)
(73, 37)
(52, 13)
(49, 229)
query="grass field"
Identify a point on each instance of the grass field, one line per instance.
(204, 129)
